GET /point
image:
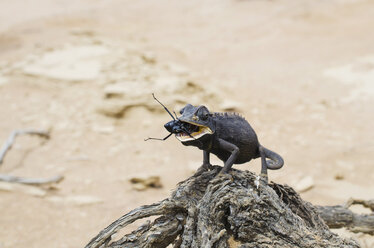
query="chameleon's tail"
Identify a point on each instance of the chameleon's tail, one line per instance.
(276, 161)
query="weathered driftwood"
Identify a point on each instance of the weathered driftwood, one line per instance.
(30, 181)
(232, 210)
(12, 137)
(8, 145)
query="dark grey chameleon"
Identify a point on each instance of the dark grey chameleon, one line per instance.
(227, 135)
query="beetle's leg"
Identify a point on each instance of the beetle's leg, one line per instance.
(158, 138)
(233, 149)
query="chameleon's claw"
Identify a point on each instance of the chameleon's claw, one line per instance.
(207, 166)
(264, 178)
(225, 175)
(204, 168)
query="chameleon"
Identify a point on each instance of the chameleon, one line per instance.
(227, 135)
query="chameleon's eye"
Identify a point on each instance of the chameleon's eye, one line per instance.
(203, 113)
(181, 111)
(204, 116)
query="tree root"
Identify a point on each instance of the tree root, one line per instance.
(207, 211)
(340, 216)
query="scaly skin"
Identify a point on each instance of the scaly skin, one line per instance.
(229, 137)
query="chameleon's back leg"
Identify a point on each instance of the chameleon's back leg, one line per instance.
(264, 167)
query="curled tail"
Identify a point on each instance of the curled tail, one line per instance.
(276, 161)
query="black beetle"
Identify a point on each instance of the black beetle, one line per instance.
(175, 126)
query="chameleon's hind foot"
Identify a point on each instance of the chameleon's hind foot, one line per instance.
(261, 179)
(264, 178)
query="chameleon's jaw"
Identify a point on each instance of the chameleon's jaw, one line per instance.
(200, 132)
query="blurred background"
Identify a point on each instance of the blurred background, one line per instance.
(301, 72)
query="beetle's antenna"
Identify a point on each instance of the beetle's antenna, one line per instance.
(163, 106)
(158, 138)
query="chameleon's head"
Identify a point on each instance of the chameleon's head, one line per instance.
(197, 121)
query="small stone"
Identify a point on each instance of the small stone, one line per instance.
(145, 182)
(305, 184)
(339, 176)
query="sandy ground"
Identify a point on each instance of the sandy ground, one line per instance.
(301, 72)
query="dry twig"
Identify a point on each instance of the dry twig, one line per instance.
(8, 145)
(12, 137)
(30, 181)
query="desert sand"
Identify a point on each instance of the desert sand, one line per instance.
(301, 72)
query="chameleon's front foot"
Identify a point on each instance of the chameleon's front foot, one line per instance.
(224, 175)
(204, 167)
(207, 166)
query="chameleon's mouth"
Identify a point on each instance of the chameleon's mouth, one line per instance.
(195, 132)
